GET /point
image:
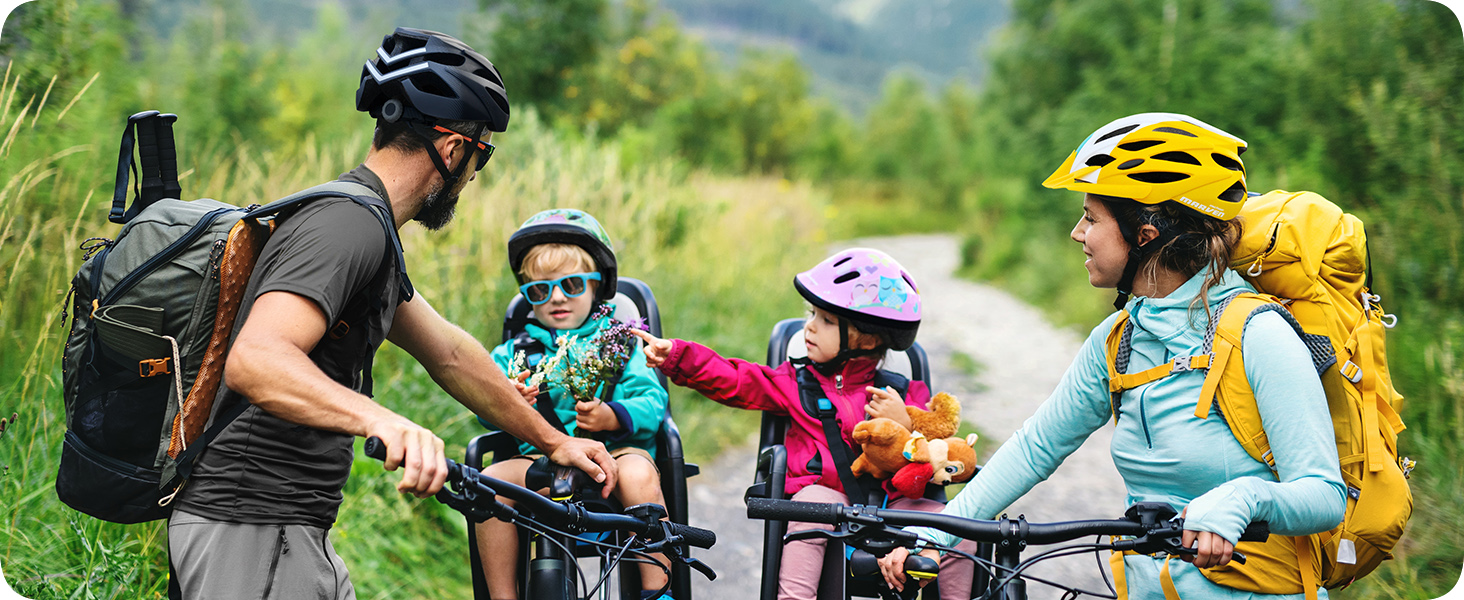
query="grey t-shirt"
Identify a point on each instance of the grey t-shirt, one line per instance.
(262, 469)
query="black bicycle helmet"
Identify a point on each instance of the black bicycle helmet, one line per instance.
(433, 76)
(567, 226)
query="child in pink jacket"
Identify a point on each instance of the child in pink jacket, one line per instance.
(862, 304)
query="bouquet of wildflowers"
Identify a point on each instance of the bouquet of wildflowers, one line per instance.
(587, 368)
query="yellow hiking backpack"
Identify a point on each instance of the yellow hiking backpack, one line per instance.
(1309, 260)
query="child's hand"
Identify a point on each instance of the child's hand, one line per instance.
(657, 349)
(595, 416)
(530, 393)
(886, 402)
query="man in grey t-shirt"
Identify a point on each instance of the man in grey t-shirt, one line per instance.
(326, 292)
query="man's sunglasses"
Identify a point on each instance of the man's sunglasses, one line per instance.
(538, 292)
(485, 149)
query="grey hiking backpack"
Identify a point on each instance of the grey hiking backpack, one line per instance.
(154, 313)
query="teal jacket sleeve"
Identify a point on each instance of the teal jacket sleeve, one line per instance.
(640, 404)
(502, 356)
(1078, 407)
(1309, 496)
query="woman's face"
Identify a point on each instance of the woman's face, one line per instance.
(1102, 242)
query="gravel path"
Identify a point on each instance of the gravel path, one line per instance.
(1021, 358)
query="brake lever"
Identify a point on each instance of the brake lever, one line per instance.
(809, 534)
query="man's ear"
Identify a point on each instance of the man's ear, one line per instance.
(447, 146)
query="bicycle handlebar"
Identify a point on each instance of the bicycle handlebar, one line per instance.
(481, 491)
(983, 531)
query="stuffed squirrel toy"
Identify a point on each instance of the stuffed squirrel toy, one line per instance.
(912, 460)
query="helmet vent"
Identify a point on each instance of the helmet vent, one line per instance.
(1140, 145)
(1117, 132)
(1175, 130)
(1129, 164)
(846, 277)
(1227, 162)
(1159, 177)
(1179, 157)
(908, 280)
(843, 260)
(1098, 160)
(1234, 193)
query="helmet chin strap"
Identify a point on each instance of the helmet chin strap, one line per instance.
(1137, 254)
(449, 177)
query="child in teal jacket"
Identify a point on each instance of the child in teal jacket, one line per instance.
(566, 265)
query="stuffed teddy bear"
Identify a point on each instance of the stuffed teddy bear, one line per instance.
(941, 421)
(942, 462)
(913, 459)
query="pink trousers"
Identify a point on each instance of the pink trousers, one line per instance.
(803, 560)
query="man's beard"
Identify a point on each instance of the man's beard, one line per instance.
(438, 208)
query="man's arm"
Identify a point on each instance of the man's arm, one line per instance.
(464, 368)
(269, 364)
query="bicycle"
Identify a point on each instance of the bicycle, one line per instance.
(559, 523)
(1147, 528)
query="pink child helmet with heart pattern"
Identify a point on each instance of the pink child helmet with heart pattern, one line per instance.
(870, 290)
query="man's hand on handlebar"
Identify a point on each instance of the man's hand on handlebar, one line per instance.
(892, 566)
(589, 456)
(417, 450)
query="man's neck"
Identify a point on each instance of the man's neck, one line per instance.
(406, 182)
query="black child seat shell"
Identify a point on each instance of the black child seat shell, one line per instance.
(633, 300)
(786, 342)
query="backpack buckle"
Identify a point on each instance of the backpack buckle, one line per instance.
(1181, 364)
(1351, 371)
(153, 366)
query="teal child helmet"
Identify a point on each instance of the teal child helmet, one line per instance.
(567, 226)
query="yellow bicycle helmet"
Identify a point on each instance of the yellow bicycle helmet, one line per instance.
(1160, 157)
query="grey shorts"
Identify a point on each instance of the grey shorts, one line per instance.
(217, 560)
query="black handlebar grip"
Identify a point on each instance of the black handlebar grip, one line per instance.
(696, 536)
(788, 510)
(1257, 531)
(375, 448)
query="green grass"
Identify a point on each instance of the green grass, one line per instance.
(718, 252)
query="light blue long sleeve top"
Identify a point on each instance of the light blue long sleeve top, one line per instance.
(1166, 454)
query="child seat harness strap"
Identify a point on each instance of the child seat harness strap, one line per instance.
(814, 402)
(534, 354)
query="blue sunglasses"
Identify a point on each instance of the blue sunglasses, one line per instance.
(538, 292)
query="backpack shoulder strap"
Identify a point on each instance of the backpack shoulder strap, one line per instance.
(360, 194)
(1226, 386)
(817, 404)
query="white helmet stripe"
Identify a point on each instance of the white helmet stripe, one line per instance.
(397, 74)
(1090, 148)
(408, 54)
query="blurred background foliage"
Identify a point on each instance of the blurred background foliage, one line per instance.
(752, 129)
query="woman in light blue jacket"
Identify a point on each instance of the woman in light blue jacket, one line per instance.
(1160, 195)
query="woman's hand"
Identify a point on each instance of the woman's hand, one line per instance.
(892, 566)
(1211, 550)
(530, 393)
(886, 402)
(656, 348)
(595, 416)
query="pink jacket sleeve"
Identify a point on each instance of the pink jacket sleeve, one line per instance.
(918, 395)
(732, 381)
